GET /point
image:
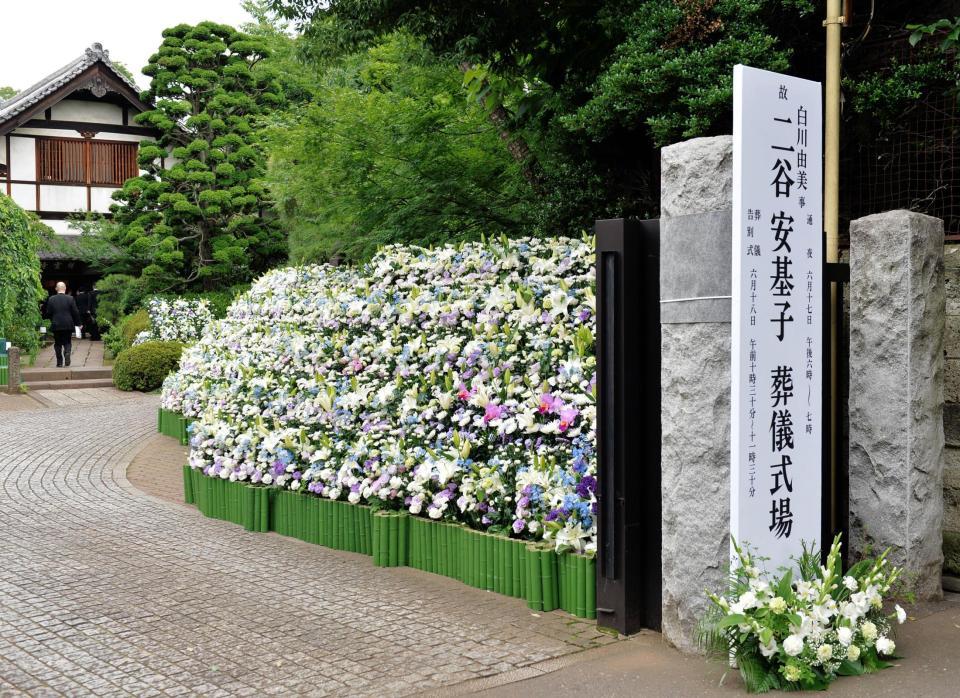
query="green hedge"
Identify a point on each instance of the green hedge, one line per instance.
(21, 235)
(545, 579)
(144, 366)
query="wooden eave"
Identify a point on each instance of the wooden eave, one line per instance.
(79, 82)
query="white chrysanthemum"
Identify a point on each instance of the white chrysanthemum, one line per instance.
(793, 645)
(885, 646)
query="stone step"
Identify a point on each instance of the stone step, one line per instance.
(66, 374)
(69, 384)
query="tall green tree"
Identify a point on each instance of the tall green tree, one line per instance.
(6, 92)
(200, 215)
(392, 149)
(590, 88)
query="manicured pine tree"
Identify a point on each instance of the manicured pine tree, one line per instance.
(199, 216)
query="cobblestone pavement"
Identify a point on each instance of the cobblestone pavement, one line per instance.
(82, 396)
(42, 399)
(105, 590)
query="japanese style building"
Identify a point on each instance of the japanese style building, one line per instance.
(66, 144)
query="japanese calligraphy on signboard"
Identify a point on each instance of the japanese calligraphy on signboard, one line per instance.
(776, 435)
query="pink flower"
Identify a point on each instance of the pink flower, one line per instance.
(493, 411)
(567, 416)
(548, 403)
(463, 393)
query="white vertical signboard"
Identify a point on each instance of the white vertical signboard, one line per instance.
(776, 363)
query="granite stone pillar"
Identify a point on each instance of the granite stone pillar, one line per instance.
(897, 313)
(13, 370)
(695, 283)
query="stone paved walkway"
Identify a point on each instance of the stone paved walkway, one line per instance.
(105, 590)
(84, 353)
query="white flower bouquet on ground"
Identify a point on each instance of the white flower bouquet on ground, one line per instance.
(802, 634)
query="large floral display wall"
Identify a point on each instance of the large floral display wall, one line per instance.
(454, 384)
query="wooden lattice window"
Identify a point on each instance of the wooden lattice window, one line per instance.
(85, 161)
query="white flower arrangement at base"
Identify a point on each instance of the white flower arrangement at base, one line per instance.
(786, 634)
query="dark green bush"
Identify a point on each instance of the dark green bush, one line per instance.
(118, 295)
(144, 366)
(120, 336)
(132, 325)
(219, 300)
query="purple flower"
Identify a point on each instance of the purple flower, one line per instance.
(297, 475)
(519, 525)
(586, 486)
(279, 468)
(548, 403)
(492, 411)
(523, 502)
(567, 417)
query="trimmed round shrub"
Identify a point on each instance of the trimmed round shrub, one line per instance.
(121, 335)
(132, 325)
(144, 366)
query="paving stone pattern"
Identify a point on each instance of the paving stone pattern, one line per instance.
(105, 590)
(84, 353)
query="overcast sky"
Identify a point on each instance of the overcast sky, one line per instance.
(40, 36)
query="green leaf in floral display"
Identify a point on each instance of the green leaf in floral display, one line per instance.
(848, 668)
(785, 587)
(766, 635)
(794, 619)
(732, 619)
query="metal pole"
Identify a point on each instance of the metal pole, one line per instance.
(831, 214)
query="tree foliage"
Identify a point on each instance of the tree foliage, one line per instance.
(392, 150)
(6, 92)
(593, 88)
(200, 215)
(20, 290)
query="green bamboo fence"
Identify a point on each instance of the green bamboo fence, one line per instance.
(544, 579)
(173, 424)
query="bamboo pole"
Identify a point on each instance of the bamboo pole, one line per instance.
(831, 214)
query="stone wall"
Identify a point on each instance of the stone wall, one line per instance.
(951, 415)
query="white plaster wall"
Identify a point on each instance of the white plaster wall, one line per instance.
(60, 227)
(81, 110)
(100, 199)
(24, 195)
(59, 198)
(23, 158)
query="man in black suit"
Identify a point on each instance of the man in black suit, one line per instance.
(83, 306)
(64, 316)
